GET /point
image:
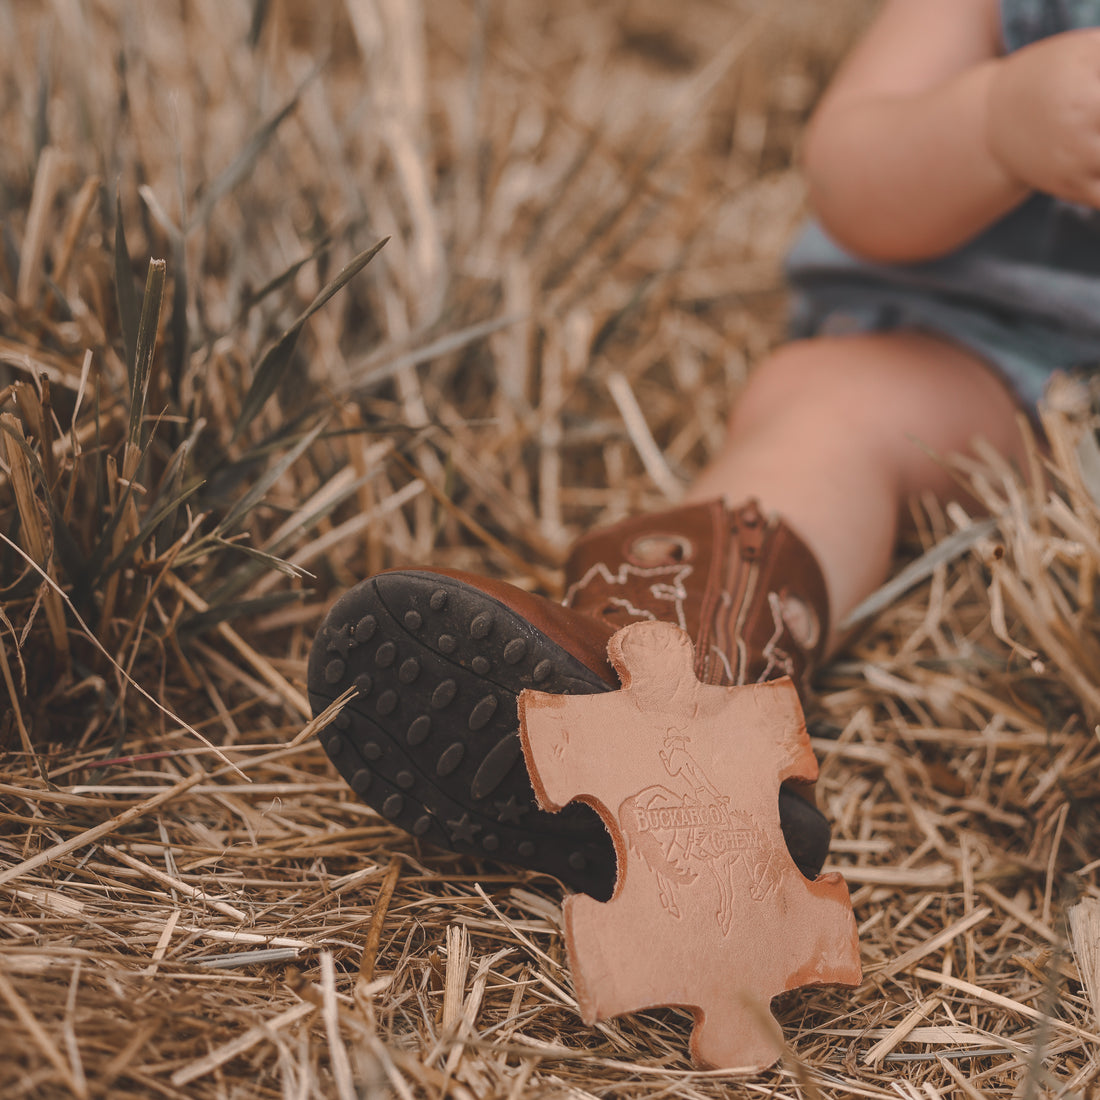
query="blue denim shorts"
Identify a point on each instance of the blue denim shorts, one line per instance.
(1026, 326)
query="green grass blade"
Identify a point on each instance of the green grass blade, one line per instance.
(285, 277)
(180, 343)
(129, 312)
(145, 346)
(258, 21)
(102, 549)
(277, 358)
(166, 511)
(202, 621)
(257, 492)
(241, 165)
(247, 573)
(946, 550)
(171, 485)
(371, 371)
(262, 557)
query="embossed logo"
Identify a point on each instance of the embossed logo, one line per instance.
(688, 836)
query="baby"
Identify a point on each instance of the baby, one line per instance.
(954, 170)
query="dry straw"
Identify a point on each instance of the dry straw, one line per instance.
(586, 206)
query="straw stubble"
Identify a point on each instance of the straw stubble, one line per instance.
(587, 207)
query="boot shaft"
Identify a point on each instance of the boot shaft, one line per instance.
(748, 591)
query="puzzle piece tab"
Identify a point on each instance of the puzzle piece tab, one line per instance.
(710, 912)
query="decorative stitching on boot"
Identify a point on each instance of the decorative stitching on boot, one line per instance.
(778, 658)
(673, 591)
(722, 656)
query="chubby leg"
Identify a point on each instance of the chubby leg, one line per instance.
(833, 434)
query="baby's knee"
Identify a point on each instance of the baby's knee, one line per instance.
(804, 372)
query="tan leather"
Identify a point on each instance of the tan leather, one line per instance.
(709, 912)
(748, 591)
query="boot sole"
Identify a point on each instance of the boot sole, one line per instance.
(430, 740)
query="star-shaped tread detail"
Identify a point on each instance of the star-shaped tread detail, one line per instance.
(340, 640)
(510, 812)
(463, 830)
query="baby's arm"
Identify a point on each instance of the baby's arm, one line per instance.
(927, 136)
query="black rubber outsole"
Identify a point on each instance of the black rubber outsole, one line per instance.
(431, 739)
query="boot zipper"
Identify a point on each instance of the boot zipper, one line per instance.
(745, 537)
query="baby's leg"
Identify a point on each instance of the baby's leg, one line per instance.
(829, 434)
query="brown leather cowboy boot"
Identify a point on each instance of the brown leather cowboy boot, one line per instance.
(439, 659)
(745, 587)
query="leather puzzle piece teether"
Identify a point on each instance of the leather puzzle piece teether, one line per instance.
(710, 912)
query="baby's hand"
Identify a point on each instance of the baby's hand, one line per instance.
(1044, 116)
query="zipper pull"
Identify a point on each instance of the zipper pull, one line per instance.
(749, 528)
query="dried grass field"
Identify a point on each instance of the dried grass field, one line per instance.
(223, 398)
